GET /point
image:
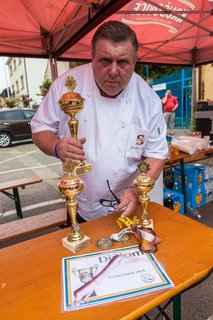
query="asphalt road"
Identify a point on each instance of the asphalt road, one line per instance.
(24, 159)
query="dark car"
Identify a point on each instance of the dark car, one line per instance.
(15, 125)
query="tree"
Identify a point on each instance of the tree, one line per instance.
(154, 71)
(44, 88)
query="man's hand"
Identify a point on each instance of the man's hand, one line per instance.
(70, 148)
(128, 202)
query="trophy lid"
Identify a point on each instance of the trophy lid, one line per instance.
(71, 97)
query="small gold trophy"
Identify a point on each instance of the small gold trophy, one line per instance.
(144, 184)
(71, 185)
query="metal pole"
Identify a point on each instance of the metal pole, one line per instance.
(193, 102)
(25, 71)
(6, 78)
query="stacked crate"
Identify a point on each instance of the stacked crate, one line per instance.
(176, 200)
(209, 183)
(195, 184)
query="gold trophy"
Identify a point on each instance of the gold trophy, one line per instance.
(144, 184)
(71, 185)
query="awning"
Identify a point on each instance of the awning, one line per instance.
(169, 32)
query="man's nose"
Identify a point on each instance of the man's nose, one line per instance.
(113, 68)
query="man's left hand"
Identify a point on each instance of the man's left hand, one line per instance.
(128, 202)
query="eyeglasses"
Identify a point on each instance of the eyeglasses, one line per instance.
(110, 203)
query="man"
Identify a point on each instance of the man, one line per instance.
(119, 107)
(170, 104)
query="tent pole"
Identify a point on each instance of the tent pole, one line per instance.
(53, 67)
(193, 102)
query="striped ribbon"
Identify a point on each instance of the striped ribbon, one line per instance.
(82, 293)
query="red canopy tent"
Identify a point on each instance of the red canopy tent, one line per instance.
(169, 32)
(175, 32)
(32, 28)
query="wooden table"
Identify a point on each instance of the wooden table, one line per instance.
(14, 185)
(181, 159)
(30, 271)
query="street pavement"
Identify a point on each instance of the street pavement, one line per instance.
(23, 160)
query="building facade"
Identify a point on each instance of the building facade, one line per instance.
(26, 76)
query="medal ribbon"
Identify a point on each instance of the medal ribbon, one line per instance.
(146, 236)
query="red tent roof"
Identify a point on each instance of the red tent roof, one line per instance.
(169, 32)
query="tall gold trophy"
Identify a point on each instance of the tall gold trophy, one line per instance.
(144, 184)
(71, 185)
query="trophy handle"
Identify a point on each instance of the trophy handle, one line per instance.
(95, 267)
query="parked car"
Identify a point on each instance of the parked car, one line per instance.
(15, 125)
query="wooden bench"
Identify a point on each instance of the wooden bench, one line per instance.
(30, 225)
(14, 185)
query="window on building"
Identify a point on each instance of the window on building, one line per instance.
(13, 91)
(22, 82)
(19, 60)
(11, 70)
(14, 64)
(17, 87)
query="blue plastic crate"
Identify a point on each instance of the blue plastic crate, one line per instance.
(178, 199)
(194, 177)
(196, 197)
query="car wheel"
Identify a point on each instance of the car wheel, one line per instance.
(5, 139)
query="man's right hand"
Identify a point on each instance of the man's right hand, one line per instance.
(70, 148)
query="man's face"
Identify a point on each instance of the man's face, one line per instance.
(113, 65)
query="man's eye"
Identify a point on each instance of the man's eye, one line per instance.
(122, 63)
(106, 61)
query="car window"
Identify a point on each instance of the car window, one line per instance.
(28, 114)
(17, 115)
(12, 115)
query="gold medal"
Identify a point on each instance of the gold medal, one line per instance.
(104, 243)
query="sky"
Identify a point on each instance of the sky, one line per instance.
(4, 76)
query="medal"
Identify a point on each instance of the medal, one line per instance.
(124, 238)
(104, 243)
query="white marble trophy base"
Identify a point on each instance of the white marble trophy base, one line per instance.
(75, 246)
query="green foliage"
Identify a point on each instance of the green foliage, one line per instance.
(12, 102)
(154, 71)
(44, 88)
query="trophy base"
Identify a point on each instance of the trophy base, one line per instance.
(75, 246)
(148, 225)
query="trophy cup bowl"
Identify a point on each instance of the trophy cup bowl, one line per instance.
(71, 185)
(143, 185)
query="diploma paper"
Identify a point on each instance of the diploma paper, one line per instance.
(106, 276)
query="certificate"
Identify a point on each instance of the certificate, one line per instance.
(106, 276)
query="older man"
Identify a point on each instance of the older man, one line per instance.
(119, 107)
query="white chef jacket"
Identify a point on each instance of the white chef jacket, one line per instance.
(111, 127)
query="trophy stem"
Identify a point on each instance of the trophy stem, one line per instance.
(73, 125)
(72, 208)
(144, 201)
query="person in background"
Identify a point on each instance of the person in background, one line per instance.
(170, 104)
(121, 123)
